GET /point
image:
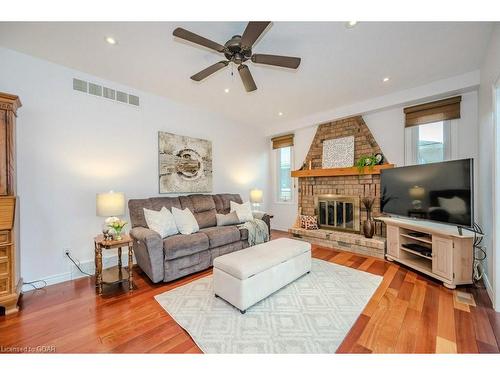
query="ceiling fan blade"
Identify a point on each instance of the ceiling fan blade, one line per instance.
(210, 70)
(195, 38)
(284, 61)
(247, 78)
(252, 33)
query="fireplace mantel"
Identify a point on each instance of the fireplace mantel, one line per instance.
(331, 172)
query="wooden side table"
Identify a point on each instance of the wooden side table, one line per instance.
(114, 274)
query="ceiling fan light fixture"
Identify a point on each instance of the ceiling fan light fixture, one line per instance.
(351, 24)
(280, 114)
(386, 79)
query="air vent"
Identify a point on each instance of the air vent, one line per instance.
(105, 92)
(134, 100)
(79, 85)
(122, 96)
(95, 89)
(109, 93)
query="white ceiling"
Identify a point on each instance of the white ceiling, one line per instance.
(339, 66)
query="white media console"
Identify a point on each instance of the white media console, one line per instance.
(449, 256)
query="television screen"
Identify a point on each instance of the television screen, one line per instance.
(439, 191)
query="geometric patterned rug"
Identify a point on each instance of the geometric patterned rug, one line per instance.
(311, 315)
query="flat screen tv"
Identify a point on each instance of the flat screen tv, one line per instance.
(440, 192)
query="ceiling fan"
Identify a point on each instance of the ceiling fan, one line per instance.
(238, 50)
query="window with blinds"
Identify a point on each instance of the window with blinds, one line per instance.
(440, 110)
(283, 156)
(429, 130)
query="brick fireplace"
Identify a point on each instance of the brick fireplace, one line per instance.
(335, 200)
(310, 188)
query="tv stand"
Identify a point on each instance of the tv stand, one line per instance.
(449, 254)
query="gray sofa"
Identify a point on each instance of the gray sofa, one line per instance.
(180, 255)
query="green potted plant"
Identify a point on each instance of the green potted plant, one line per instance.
(366, 161)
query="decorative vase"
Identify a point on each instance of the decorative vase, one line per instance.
(368, 228)
(117, 235)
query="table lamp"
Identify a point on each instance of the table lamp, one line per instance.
(256, 197)
(110, 204)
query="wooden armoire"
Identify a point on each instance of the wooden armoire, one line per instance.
(10, 280)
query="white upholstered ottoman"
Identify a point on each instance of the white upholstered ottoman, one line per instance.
(245, 277)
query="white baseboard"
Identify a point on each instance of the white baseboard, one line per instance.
(489, 290)
(279, 228)
(86, 266)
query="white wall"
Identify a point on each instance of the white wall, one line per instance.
(387, 126)
(71, 145)
(490, 74)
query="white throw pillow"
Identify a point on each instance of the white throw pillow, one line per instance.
(244, 211)
(185, 220)
(162, 222)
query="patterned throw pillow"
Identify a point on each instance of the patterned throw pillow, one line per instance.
(308, 222)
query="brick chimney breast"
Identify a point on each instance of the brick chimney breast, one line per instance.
(361, 186)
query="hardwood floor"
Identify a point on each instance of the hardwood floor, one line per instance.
(409, 313)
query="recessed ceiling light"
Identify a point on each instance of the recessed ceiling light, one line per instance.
(386, 79)
(351, 24)
(226, 90)
(280, 113)
(111, 40)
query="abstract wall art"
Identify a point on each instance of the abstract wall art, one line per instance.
(185, 164)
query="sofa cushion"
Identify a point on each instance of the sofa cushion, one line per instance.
(202, 202)
(206, 219)
(219, 236)
(222, 202)
(135, 207)
(168, 202)
(181, 245)
(136, 211)
(203, 208)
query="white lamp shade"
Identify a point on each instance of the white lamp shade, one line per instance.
(417, 192)
(110, 204)
(256, 196)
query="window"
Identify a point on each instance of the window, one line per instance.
(284, 183)
(431, 131)
(429, 143)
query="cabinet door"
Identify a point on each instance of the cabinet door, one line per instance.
(442, 257)
(393, 241)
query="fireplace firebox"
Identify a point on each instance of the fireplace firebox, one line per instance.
(340, 212)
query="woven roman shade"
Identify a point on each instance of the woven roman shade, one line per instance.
(282, 141)
(440, 110)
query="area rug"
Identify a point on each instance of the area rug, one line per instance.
(311, 315)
